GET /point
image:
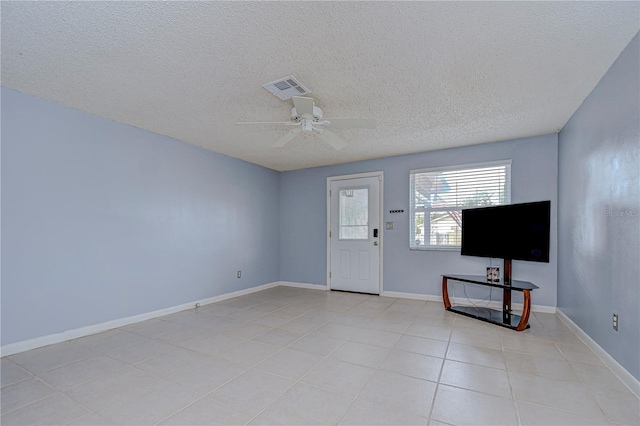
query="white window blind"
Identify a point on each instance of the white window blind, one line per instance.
(439, 195)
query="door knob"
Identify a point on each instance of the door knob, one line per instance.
(375, 243)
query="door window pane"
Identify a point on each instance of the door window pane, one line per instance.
(354, 214)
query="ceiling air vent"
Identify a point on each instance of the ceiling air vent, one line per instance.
(286, 88)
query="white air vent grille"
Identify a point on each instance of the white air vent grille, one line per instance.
(286, 88)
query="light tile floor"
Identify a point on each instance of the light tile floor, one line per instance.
(296, 356)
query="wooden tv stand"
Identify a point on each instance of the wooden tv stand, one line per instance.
(503, 318)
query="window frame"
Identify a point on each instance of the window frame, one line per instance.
(460, 167)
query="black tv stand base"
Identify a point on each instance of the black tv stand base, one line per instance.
(504, 317)
(493, 316)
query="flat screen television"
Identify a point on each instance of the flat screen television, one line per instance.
(514, 231)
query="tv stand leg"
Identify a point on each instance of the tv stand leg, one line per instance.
(526, 310)
(445, 294)
(507, 271)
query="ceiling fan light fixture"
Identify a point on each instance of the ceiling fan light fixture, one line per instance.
(307, 125)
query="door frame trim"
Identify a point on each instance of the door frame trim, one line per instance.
(380, 176)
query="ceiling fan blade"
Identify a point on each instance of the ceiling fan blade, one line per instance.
(359, 123)
(332, 139)
(287, 123)
(286, 138)
(303, 105)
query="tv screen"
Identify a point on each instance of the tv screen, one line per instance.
(515, 231)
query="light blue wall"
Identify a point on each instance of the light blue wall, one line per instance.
(102, 220)
(599, 179)
(304, 218)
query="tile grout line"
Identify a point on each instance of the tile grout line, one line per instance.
(266, 372)
(4, 413)
(511, 390)
(299, 381)
(435, 392)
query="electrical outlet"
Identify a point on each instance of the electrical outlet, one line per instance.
(239, 274)
(615, 322)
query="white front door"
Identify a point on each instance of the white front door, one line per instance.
(355, 235)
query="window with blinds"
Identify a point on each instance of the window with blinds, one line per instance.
(439, 195)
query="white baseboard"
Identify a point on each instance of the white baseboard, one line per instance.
(631, 382)
(303, 285)
(414, 296)
(467, 302)
(541, 308)
(38, 342)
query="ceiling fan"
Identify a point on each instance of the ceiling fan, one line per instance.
(307, 118)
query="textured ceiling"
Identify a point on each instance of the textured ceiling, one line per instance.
(433, 74)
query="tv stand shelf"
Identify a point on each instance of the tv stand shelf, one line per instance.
(503, 318)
